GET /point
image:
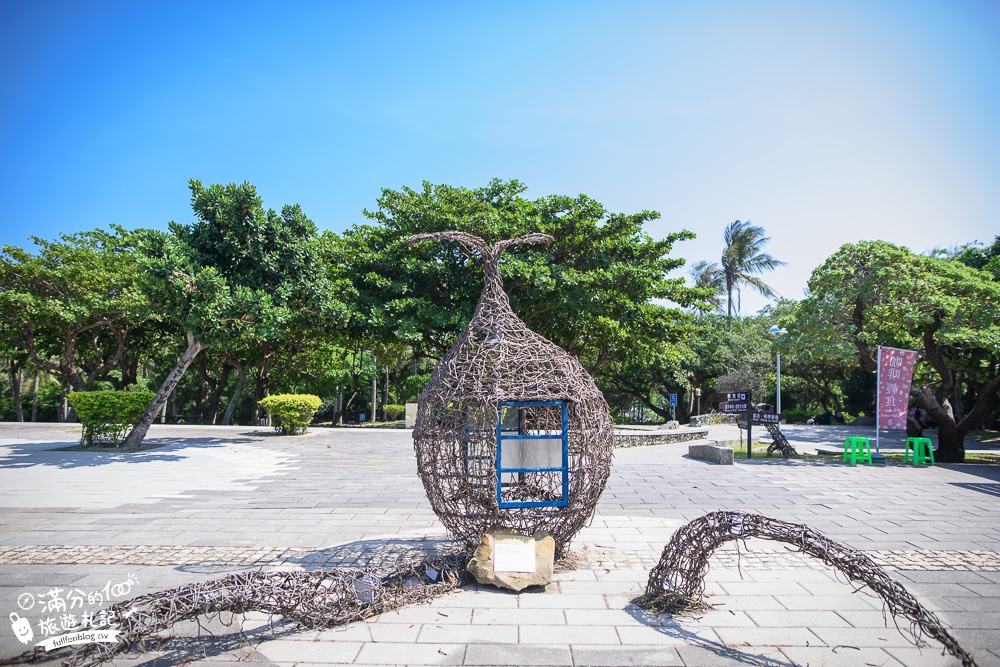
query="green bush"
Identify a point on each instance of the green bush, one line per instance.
(394, 412)
(291, 413)
(107, 416)
(797, 416)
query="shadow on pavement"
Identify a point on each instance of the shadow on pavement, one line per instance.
(47, 454)
(988, 489)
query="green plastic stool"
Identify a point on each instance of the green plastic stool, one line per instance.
(919, 450)
(857, 448)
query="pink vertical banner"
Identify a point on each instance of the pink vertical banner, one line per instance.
(895, 373)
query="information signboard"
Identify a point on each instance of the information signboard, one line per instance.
(761, 419)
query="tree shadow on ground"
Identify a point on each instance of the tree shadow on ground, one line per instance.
(53, 454)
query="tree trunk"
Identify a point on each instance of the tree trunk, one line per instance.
(64, 402)
(138, 432)
(34, 399)
(262, 382)
(202, 393)
(951, 434)
(15, 390)
(385, 393)
(951, 442)
(235, 398)
(374, 398)
(216, 395)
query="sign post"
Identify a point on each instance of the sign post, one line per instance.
(741, 402)
(673, 406)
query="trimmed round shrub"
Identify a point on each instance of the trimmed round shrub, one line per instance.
(107, 416)
(394, 412)
(291, 413)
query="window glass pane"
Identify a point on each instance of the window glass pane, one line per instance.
(541, 453)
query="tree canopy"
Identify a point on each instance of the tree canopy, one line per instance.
(597, 291)
(876, 293)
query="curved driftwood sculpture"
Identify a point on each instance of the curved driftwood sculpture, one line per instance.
(678, 580)
(322, 598)
(495, 362)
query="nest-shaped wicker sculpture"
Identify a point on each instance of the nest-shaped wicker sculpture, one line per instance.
(678, 580)
(511, 431)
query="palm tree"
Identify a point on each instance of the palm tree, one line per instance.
(743, 258)
(708, 275)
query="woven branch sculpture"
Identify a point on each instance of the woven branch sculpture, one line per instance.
(498, 359)
(678, 580)
(321, 598)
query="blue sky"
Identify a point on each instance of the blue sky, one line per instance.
(825, 123)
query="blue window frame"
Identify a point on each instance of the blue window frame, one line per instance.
(532, 460)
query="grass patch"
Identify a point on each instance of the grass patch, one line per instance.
(975, 459)
(759, 449)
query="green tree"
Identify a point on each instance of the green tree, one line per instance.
(743, 258)
(240, 277)
(875, 293)
(71, 307)
(596, 291)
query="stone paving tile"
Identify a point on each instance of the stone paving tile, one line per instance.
(563, 601)
(841, 656)
(872, 637)
(601, 656)
(291, 652)
(928, 657)
(521, 616)
(468, 634)
(791, 619)
(563, 634)
(746, 603)
(670, 634)
(518, 654)
(828, 602)
(390, 653)
(719, 655)
(598, 617)
(768, 636)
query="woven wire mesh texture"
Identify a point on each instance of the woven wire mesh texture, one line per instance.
(313, 599)
(678, 580)
(497, 359)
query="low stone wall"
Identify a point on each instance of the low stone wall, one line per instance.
(701, 421)
(666, 437)
(711, 453)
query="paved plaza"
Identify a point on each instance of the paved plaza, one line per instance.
(215, 500)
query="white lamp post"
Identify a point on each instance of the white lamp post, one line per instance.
(777, 331)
